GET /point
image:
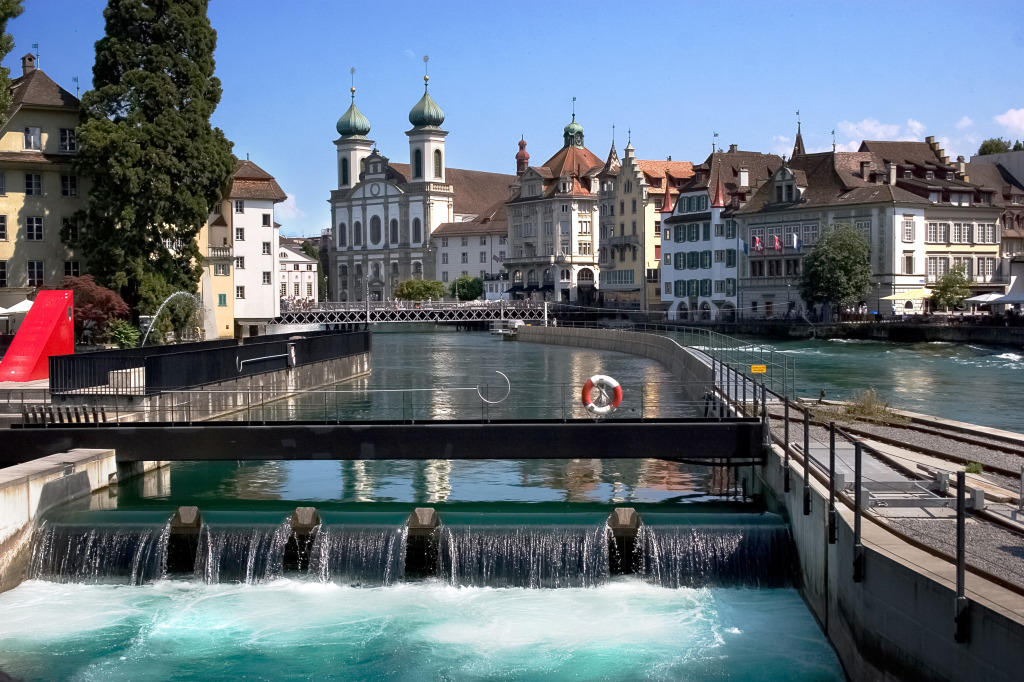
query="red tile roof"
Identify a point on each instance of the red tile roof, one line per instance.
(475, 191)
(36, 89)
(249, 181)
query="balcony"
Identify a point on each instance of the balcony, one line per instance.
(590, 260)
(220, 253)
(623, 239)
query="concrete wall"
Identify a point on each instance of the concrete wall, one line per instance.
(684, 364)
(27, 490)
(213, 400)
(897, 624)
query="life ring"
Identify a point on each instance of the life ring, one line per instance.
(608, 387)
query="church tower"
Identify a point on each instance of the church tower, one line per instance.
(426, 140)
(353, 145)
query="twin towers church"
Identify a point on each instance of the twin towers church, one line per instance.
(385, 215)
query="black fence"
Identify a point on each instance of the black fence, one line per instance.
(148, 371)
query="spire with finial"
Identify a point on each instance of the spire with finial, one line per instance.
(833, 140)
(719, 200)
(572, 134)
(522, 157)
(426, 112)
(798, 146)
(666, 207)
(352, 123)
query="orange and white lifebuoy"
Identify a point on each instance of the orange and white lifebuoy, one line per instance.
(610, 394)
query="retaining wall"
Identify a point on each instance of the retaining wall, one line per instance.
(224, 397)
(684, 364)
(29, 489)
(898, 623)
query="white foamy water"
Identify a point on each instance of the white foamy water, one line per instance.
(624, 630)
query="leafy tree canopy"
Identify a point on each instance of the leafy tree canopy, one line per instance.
(146, 144)
(9, 9)
(838, 268)
(419, 290)
(466, 288)
(997, 145)
(310, 249)
(95, 306)
(952, 288)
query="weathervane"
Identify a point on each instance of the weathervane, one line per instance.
(74, 79)
(833, 139)
(714, 141)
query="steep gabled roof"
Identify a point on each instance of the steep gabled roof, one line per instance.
(575, 161)
(36, 89)
(492, 220)
(249, 181)
(474, 190)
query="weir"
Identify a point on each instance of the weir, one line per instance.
(367, 548)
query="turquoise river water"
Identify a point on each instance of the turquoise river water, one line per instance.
(237, 616)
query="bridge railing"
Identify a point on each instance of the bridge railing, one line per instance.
(356, 306)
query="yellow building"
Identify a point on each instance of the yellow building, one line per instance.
(631, 203)
(39, 191)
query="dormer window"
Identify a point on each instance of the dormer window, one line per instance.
(789, 193)
(908, 174)
(656, 182)
(929, 175)
(950, 175)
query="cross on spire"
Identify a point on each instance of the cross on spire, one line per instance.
(352, 76)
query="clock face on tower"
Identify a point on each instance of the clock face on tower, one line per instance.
(579, 140)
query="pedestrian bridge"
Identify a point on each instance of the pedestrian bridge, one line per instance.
(374, 312)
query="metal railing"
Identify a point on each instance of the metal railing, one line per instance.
(149, 371)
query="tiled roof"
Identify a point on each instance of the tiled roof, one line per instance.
(657, 169)
(572, 160)
(297, 255)
(35, 157)
(36, 89)
(249, 181)
(492, 220)
(902, 153)
(474, 191)
(726, 166)
(994, 176)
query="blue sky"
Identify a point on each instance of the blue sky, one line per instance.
(671, 72)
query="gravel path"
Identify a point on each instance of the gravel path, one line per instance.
(989, 547)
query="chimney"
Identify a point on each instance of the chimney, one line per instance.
(891, 168)
(865, 170)
(733, 149)
(669, 157)
(744, 177)
(28, 64)
(961, 168)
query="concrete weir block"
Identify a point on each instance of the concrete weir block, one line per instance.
(423, 521)
(186, 520)
(304, 520)
(624, 521)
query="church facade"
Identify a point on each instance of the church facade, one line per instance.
(384, 214)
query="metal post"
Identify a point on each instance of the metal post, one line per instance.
(858, 548)
(765, 417)
(831, 483)
(1020, 497)
(744, 379)
(753, 389)
(807, 462)
(785, 446)
(961, 559)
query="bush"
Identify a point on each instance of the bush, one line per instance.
(866, 406)
(974, 468)
(123, 333)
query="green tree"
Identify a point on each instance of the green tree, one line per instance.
(124, 334)
(310, 249)
(838, 268)
(419, 290)
(466, 288)
(9, 9)
(952, 288)
(1018, 146)
(994, 145)
(145, 141)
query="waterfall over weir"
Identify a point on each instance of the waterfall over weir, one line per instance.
(533, 550)
(131, 551)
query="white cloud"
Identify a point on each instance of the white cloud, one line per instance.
(868, 129)
(409, 53)
(964, 123)
(1013, 121)
(289, 210)
(915, 128)
(782, 144)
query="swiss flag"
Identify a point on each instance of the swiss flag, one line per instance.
(758, 245)
(777, 243)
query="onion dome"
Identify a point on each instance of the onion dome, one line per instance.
(426, 112)
(352, 122)
(522, 154)
(573, 127)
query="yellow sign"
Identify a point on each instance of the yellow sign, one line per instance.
(758, 369)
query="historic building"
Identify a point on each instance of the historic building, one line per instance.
(700, 245)
(632, 201)
(39, 190)
(477, 248)
(553, 218)
(297, 276)
(384, 214)
(918, 212)
(239, 244)
(1004, 174)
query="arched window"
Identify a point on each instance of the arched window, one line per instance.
(517, 277)
(531, 277)
(437, 163)
(417, 231)
(547, 276)
(394, 268)
(565, 274)
(342, 234)
(394, 231)
(586, 275)
(375, 230)
(417, 164)
(344, 171)
(357, 234)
